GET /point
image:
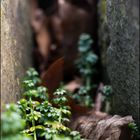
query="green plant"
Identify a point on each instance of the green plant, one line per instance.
(12, 124)
(60, 100)
(135, 130)
(41, 117)
(107, 92)
(85, 64)
(28, 105)
(35, 117)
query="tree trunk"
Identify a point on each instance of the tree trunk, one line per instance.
(123, 56)
(15, 47)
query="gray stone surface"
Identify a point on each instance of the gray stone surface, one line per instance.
(123, 56)
(15, 47)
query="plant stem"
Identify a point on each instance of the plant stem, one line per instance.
(88, 82)
(33, 121)
(60, 117)
(87, 77)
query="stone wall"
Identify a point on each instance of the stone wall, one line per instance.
(123, 56)
(15, 47)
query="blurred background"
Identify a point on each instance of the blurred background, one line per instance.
(60, 37)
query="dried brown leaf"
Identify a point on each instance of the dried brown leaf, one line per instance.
(54, 75)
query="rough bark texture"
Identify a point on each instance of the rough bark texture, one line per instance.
(123, 56)
(102, 127)
(15, 47)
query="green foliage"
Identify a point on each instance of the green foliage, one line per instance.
(135, 130)
(87, 59)
(85, 64)
(83, 97)
(107, 92)
(33, 75)
(12, 124)
(63, 110)
(38, 115)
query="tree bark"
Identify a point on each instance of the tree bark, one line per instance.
(15, 47)
(123, 56)
(99, 126)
